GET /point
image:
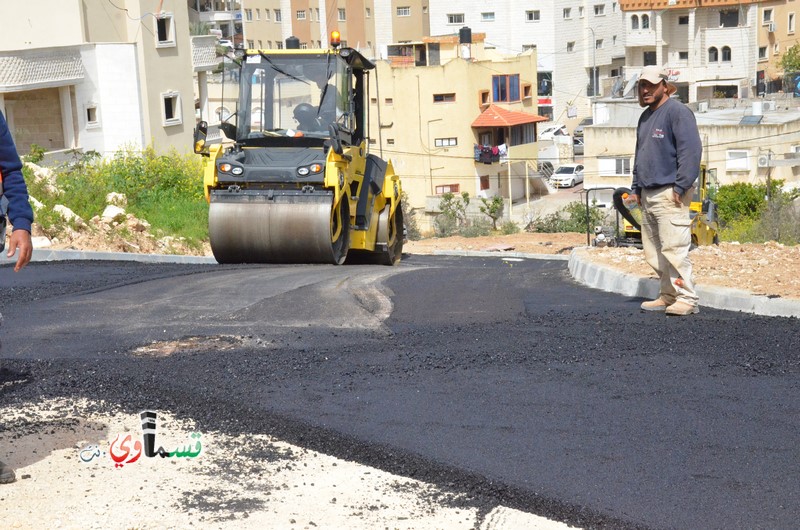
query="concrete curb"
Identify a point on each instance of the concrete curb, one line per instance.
(501, 255)
(611, 280)
(64, 255)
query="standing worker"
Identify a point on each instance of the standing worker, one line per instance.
(666, 164)
(20, 213)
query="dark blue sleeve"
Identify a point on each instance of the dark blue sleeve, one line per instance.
(689, 149)
(14, 189)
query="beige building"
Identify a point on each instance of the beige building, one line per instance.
(777, 32)
(90, 74)
(458, 124)
(743, 141)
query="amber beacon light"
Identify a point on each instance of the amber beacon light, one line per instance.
(336, 39)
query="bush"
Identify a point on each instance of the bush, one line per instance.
(509, 227)
(571, 218)
(739, 201)
(409, 218)
(477, 228)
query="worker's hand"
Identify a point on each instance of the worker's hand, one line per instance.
(633, 197)
(20, 239)
(676, 198)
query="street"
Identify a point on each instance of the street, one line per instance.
(500, 379)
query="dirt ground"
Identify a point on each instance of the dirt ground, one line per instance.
(766, 269)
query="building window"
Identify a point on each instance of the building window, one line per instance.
(455, 18)
(278, 17)
(404, 11)
(683, 20)
(390, 141)
(303, 45)
(683, 56)
(580, 11)
(250, 44)
(487, 17)
(790, 24)
(483, 97)
(613, 7)
(533, 16)
(368, 13)
(645, 22)
(776, 49)
(445, 142)
(165, 31)
(567, 13)
(613, 40)
(737, 160)
(767, 16)
(172, 108)
(484, 182)
(527, 91)
(267, 14)
(598, 44)
(729, 18)
(599, 10)
(726, 54)
(278, 45)
(258, 13)
(447, 188)
(505, 88)
(635, 22)
(713, 55)
(444, 98)
(571, 46)
(301, 14)
(622, 166)
(342, 14)
(762, 52)
(92, 117)
(388, 102)
(248, 15)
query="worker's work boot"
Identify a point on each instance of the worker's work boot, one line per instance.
(682, 309)
(7, 475)
(659, 304)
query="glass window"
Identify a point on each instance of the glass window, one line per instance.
(713, 55)
(505, 88)
(533, 16)
(456, 18)
(404, 11)
(635, 22)
(599, 10)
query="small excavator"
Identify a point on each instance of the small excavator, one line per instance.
(293, 180)
(702, 210)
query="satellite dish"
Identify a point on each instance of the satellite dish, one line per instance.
(616, 91)
(629, 86)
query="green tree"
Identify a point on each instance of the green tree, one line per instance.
(790, 60)
(493, 208)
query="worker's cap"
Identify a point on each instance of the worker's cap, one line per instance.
(656, 74)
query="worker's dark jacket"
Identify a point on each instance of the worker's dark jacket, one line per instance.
(13, 186)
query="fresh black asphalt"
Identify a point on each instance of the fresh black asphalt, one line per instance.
(504, 382)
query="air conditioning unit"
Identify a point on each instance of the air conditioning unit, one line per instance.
(769, 105)
(763, 161)
(771, 27)
(702, 106)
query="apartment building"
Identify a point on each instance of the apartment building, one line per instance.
(462, 123)
(400, 21)
(86, 74)
(222, 17)
(776, 30)
(578, 44)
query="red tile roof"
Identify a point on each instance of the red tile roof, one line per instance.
(495, 116)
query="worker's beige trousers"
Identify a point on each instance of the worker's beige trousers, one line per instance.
(666, 237)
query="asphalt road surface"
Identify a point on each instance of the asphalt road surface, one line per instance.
(504, 380)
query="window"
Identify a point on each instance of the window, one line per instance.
(505, 87)
(390, 141)
(165, 31)
(762, 52)
(388, 101)
(613, 7)
(527, 47)
(571, 46)
(683, 20)
(278, 45)
(92, 118)
(484, 182)
(567, 13)
(598, 44)
(368, 13)
(649, 58)
(487, 17)
(444, 98)
(248, 15)
(483, 97)
(726, 54)
(301, 14)
(267, 14)
(599, 10)
(250, 44)
(404, 11)
(260, 44)
(172, 108)
(645, 22)
(580, 11)
(258, 13)
(533, 16)
(342, 14)
(522, 134)
(776, 49)
(790, 24)
(767, 16)
(445, 142)
(635, 22)
(713, 55)
(729, 18)
(457, 18)
(447, 188)
(613, 40)
(622, 166)
(737, 160)
(278, 15)
(527, 91)
(683, 56)
(303, 45)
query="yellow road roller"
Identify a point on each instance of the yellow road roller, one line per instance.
(292, 179)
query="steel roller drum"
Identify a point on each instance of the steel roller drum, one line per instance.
(256, 228)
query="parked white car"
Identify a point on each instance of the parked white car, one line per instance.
(227, 43)
(567, 175)
(554, 130)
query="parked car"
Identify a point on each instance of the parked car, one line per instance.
(227, 43)
(554, 130)
(567, 175)
(584, 122)
(577, 146)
